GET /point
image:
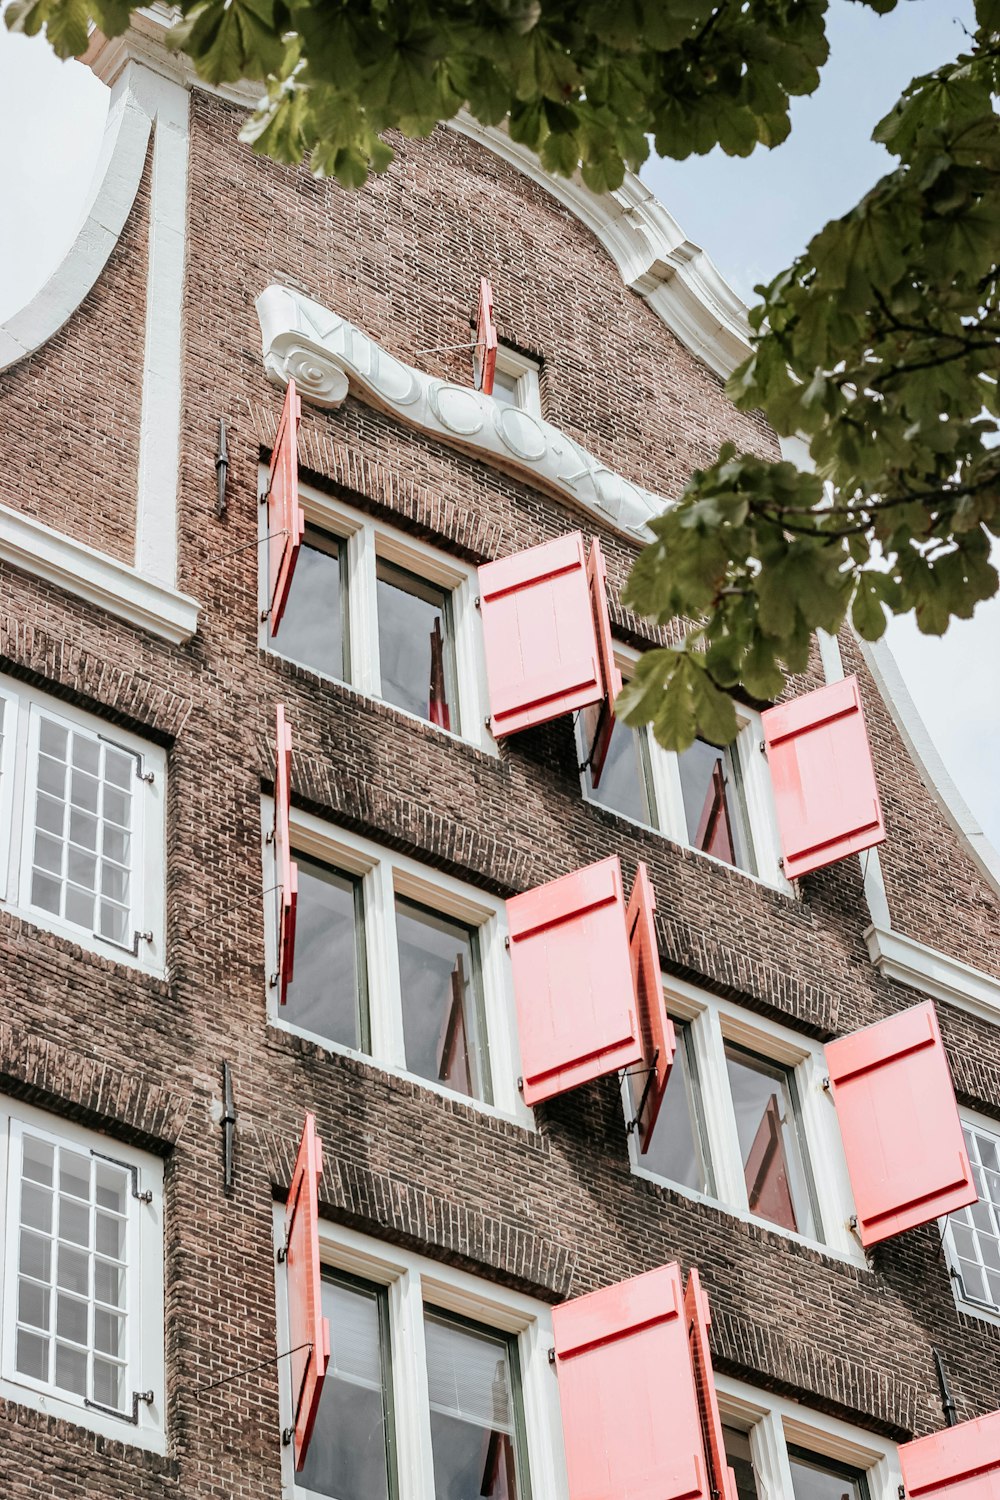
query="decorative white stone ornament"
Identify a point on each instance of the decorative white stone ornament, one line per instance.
(326, 357)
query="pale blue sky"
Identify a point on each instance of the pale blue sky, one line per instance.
(751, 216)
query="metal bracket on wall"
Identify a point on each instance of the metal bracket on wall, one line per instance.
(228, 1123)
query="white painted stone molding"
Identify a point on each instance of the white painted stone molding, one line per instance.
(934, 973)
(326, 357)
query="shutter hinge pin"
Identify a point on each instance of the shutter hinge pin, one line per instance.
(520, 1085)
(287, 1434)
(826, 1084)
(552, 1356)
(147, 776)
(281, 1254)
(506, 943)
(762, 747)
(479, 602)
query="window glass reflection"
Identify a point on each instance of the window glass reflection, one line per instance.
(312, 628)
(625, 781)
(714, 805)
(774, 1165)
(505, 388)
(679, 1151)
(327, 993)
(351, 1453)
(476, 1422)
(821, 1479)
(416, 649)
(443, 1025)
(741, 1462)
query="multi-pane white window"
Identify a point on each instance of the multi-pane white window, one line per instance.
(746, 1122)
(399, 963)
(515, 381)
(778, 1447)
(438, 1384)
(81, 1283)
(711, 798)
(972, 1235)
(381, 611)
(81, 827)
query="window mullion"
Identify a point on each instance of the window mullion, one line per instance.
(667, 790)
(364, 671)
(770, 1458)
(720, 1116)
(384, 990)
(409, 1358)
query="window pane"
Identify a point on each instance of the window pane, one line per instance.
(61, 1322)
(975, 1231)
(679, 1151)
(476, 1421)
(738, 1453)
(505, 388)
(770, 1141)
(713, 803)
(416, 651)
(312, 627)
(443, 1028)
(625, 783)
(350, 1455)
(67, 869)
(327, 994)
(821, 1479)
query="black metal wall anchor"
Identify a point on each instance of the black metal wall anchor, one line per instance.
(221, 470)
(228, 1128)
(947, 1399)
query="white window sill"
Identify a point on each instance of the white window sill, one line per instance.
(96, 577)
(144, 960)
(852, 1257)
(523, 1118)
(147, 1434)
(934, 973)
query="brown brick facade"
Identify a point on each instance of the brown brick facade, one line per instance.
(555, 1211)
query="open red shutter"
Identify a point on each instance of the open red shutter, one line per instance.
(308, 1330)
(629, 1404)
(287, 871)
(959, 1463)
(902, 1136)
(656, 1027)
(484, 353)
(824, 781)
(599, 720)
(698, 1318)
(543, 657)
(572, 974)
(285, 518)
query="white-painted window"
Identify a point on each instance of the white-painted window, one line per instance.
(972, 1235)
(747, 1124)
(781, 1450)
(81, 827)
(387, 614)
(438, 1382)
(515, 381)
(81, 1278)
(715, 800)
(398, 963)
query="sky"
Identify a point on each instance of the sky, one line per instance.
(752, 216)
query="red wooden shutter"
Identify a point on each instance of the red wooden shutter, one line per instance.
(959, 1463)
(572, 976)
(656, 1027)
(698, 1317)
(308, 1330)
(286, 870)
(542, 656)
(824, 781)
(629, 1404)
(600, 730)
(902, 1136)
(484, 353)
(285, 517)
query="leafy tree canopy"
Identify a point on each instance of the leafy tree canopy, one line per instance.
(880, 345)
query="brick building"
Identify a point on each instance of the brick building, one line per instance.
(169, 1042)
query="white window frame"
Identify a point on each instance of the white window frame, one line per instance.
(414, 1281)
(386, 874)
(364, 540)
(985, 1126)
(524, 372)
(145, 1368)
(762, 828)
(713, 1022)
(17, 827)
(774, 1422)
